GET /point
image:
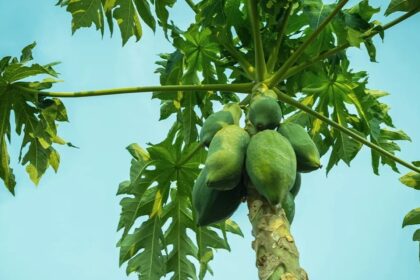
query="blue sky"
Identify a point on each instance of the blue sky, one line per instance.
(347, 225)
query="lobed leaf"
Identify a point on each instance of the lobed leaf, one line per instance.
(36, 117)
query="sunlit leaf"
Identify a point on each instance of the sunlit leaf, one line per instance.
(411, 179)
(412, 218)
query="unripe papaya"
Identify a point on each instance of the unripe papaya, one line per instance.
(296, 186)
(230, 114)
(225, 159)
(271, 165)
(264, 112)
(288, 206)
(212, 205)
(307, 153)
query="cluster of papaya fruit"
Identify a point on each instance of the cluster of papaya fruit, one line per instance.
(268, 155)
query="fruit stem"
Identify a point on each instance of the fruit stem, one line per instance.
(288, 100)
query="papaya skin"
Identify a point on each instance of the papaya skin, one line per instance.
(271, 165)
(264, 112)
(226, 156)
(230, 114)
(307, 154)
(288, 206)
(212, 205)
(296, 186)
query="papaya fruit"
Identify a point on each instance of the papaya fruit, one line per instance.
(230, 114)
(213, 205)
(288, 206)
(225, 158)
(264, 112)
(307, 153)
(296, 186)
(271, 165)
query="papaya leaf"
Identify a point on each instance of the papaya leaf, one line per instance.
(412, 218)
(402, 6)
(412, 180)
(127, 13)
(36, 117)
(158, 196)
(341, 94)
(6, 173)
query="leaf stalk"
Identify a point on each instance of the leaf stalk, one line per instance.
(239, 88)
(279, 74)
(260, 66)
(299, 68)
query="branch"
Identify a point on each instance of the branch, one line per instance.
(279, 75)
(272, 59)
(259, 51)
(288, 100)
(296, 69)
(239, 88)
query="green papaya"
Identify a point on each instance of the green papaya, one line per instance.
(213, 205)
(288, 206)
(307, 153)
(230, 114)
(264, 112)
(271, 165)
(296, 186)
(226, 156)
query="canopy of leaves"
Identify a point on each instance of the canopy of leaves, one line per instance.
(218, 48)
(35, 117)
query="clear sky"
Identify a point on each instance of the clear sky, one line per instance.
(347, 225)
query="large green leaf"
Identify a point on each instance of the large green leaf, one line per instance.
(35, 116)
(159, 194)
(127, 14)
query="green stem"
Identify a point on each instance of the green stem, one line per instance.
(240, 88)
(190, 155)
(192, 6)
(256, 35)
(273, 58)
(243, 62)
(288, 100)
(297, 69)
(279, 75)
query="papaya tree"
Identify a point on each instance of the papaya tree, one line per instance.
(258, 92)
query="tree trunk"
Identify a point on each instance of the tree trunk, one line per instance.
(276, 252)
